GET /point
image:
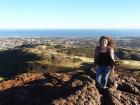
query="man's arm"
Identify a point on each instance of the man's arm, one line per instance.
(112, 56)
(95, 56)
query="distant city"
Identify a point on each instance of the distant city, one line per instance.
(91, 42)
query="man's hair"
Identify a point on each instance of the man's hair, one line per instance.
(111, 42)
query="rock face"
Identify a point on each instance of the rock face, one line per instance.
(71, 88)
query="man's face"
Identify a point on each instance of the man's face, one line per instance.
(104, 42)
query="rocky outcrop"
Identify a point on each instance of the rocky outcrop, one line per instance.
(71, 88)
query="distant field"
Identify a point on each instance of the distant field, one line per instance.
(129, 68)
(128, 54)
(55, 61)
(131, 64)
(54, 58)
(1, 78)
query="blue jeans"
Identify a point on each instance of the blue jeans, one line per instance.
(102, 74)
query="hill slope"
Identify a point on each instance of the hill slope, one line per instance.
(70, 88)
(59, 77)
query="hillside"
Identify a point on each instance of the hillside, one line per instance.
(42, 58)
(71, 88)
(50, 75)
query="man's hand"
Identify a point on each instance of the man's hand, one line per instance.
(92, 69)
(112, 71)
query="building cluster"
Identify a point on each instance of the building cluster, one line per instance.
(10, 43)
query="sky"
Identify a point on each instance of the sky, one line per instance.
(69, 14)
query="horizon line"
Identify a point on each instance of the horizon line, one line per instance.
(69, 28)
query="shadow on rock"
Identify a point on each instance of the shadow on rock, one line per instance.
(51, 89)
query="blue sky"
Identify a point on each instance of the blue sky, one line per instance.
(73, 14)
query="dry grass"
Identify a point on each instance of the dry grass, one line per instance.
(1, 78)
(51, 59)
(65, 60)
(131, 64)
